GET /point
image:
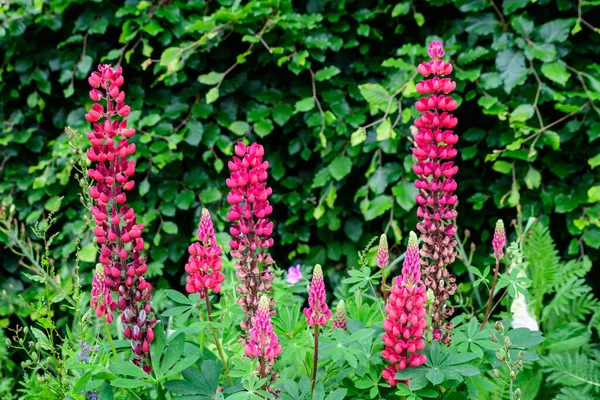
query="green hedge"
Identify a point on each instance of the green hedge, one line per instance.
(328, 88)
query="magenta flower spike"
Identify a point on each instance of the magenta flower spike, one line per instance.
(382, 252)
(263, 343)
(499, 240)
(434, 150)
(406, 317)
(116, 231)
(204, 264)
(339, 319)
(250, 228)
(317, 313)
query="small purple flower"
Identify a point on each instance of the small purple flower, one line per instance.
(294, 275)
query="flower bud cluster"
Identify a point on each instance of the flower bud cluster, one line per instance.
(339, 319)
(406, 317)
(204, 264)
(434, 151)
(250, 228)
(317, 312)
(116, 231)
(263, 343)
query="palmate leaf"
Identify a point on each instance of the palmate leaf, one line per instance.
(442, 364)
(468, 338)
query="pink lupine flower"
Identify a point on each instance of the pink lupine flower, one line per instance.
(263, 343)
(204, 264)
(317, 313)
(436, 200)
(102, 301)
(116, 231)
(339, 319)
(382, 252)
(499, 240)
(294, 275)
(250, 228)
(406, 317)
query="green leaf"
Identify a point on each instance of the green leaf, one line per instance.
(340, 167)
(533, 179)
(149, 120)
(510, 6)
(556, 31)
(212, 78)
(281, 113)
(358, 137)
(374, 94)
(481, 24)
(305, 104)
(212, 95)
(593, 194)
(557, 72)
(504, 167)
(326, 73)
(594, 161)
(240, 128)
(405, 193)
(211, 194)
(170, 228)
(263, 128)
(127, 368)
(511, 64)
(551, 138)
(522, 25)
(385, 131)
(522, 113)
(376, 207)
(173, 352)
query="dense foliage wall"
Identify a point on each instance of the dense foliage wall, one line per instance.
(328, 88)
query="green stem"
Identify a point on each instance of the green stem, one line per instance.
(216, 338)
(315, 360)
(160, 391)
(467, 262)
(110, 340)
(491, 299)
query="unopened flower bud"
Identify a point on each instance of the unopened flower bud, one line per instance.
(496, 373)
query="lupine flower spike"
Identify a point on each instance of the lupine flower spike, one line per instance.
(498, 243)
(116, 231)
(339, 319)
(250, 228)
(499, 240)
(263, 343)
(382, 262)
(102, 301)
(317, 314)
(204, 264)
(436, 200)
(406, 317)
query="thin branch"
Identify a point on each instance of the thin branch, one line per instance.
(314, 95)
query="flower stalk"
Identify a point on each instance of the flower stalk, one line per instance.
(116, 231)
(498, 243)
(436, 200)
(317, 314)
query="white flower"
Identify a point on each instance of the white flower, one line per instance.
(520, 316)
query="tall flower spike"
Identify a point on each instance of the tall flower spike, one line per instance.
(250, 228)
(406, 318)
(499, 240)
(339, 319)
(204, 264)
(263, 343)
(116, 231)
(434, 150)
(317, 313)
(382, 252)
